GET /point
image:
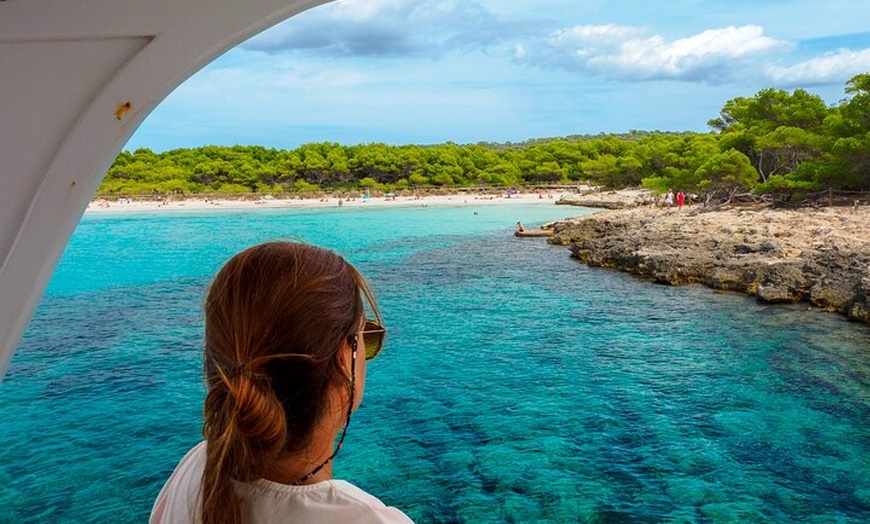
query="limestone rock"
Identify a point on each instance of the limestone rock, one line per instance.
(860, 307)
(774, 294)
(819, 257)
(609, 199)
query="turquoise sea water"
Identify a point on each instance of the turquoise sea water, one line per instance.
(517, 385)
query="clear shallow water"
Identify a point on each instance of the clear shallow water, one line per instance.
(517, 385)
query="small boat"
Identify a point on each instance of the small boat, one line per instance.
(534, 233)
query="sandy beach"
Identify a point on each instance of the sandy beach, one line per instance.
(200, 204)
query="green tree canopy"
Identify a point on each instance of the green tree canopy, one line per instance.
(792, 141)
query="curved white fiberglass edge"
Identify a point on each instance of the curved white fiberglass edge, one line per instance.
(76, 80)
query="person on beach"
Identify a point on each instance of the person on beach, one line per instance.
(669, 198)
(681, 199)
(286, 345)
(520, 227)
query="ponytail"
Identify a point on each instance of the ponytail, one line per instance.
(245, 433)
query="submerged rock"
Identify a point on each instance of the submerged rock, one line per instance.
(818, 257)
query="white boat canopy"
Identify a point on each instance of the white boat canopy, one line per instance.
(76, 80)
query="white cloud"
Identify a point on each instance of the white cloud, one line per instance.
(594, 34)
(731, 42)
(519, 51)
(836, 67)
(384, 28)
(714, 55)
(360, 11)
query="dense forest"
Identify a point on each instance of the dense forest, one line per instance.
(778, 142)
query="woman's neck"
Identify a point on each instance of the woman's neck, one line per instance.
(293, 468)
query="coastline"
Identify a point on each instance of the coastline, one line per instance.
(103, 206)
(820, 257)
(816, 256)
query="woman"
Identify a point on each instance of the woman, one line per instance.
(286, 341)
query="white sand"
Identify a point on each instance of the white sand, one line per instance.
(194, 204)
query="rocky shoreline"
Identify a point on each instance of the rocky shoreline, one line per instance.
(623, 199)
(820, 256)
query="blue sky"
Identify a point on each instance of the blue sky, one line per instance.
(432, 71)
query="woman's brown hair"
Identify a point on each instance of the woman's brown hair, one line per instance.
(275, 317)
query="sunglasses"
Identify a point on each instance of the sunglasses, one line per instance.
(373, 338)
